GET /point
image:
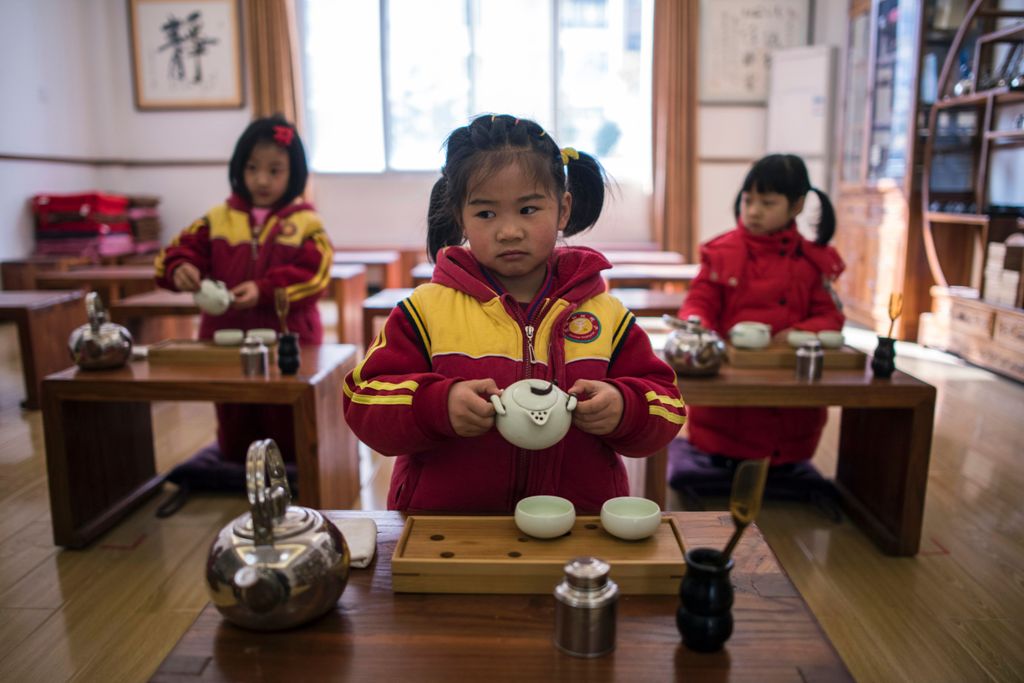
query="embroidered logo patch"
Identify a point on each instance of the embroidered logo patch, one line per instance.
(288, 229)
(582, 327)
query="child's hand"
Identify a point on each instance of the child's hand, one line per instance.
(469, 406)
(186, 278)
(600, 406)
(782, 336)
(246, 295)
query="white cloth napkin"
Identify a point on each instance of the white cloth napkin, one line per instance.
(361, 537)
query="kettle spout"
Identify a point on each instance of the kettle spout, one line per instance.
(260, 590)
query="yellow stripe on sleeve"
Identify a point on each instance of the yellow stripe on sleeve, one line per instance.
(661, 398)
(661, 412)
(319, 281)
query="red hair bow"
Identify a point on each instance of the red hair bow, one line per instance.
(283, 135)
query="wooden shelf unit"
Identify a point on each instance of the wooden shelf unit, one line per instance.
(984, 333)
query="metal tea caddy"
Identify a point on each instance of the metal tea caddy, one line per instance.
(278, 565)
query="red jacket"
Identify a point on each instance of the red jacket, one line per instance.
(781, 279)
(292, 251)
(462, 326)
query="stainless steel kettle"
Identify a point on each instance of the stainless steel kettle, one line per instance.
(99, 345)
(278, 565)
(691, 349)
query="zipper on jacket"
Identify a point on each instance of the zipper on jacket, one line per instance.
(522, 457)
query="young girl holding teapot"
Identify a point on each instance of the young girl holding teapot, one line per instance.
(510, 305)
(264, 237)
(765, 271)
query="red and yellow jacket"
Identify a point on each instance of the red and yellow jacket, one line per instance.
(462, 326)
(292, 251)
(781, 279)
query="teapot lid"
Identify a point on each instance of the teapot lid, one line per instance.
(535, 394)
(296, 520)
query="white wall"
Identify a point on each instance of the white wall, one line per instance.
(732, 138)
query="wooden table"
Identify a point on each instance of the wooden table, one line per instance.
(650, 302)
(21, 273)
(377, 635)
(422, 272)
(884, 443)
(157, 315)
(99, 433)
(669, 277)
(348, 287)
(379, 306)
(112, 282)
(45, 322)
(409, 255)
(383, 268)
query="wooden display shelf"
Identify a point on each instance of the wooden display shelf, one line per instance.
(469, 554)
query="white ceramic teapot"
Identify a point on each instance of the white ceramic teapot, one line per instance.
(213, 297)
(533, 413)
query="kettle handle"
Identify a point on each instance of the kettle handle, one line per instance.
(266, 482)
(94, 310)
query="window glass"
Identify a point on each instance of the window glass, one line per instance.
(342, 86)
(580, 68)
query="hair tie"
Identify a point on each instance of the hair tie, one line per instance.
(569, 153)
(283, 135)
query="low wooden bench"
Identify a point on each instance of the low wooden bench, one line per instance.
(157, 315)
(45, 322)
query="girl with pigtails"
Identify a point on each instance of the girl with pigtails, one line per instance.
(506, 302)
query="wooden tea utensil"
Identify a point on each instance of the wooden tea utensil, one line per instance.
(745, 501)
(281, 306)
(895, 308)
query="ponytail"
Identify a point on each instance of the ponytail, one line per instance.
(826, 221)
(442, 228)
(585, 182)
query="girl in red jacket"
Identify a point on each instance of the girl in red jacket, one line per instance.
(509, 306)
(764, 270)
(264, 237)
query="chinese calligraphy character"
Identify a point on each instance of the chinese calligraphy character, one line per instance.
(185, 38)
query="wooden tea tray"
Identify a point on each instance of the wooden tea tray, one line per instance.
(784, 356)
(193, 351)
(491, 555)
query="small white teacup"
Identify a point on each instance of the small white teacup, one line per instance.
(213, 297)
(749, 334)
(796, 338)
(630, 518)
(831, 339)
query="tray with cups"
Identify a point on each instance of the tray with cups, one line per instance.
(221, 350)
(751, 346)
(526, 553)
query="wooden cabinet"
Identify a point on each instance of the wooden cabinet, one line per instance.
(971, 190)
(895, 49)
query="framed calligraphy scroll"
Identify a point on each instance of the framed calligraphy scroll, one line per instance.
(737, 38)
(186, 54)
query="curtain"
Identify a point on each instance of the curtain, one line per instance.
(273, 33)
(274, 56)
(674, 126)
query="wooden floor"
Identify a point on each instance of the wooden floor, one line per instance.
(953, 613)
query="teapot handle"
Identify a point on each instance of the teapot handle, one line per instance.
(94, 310)
(498, 407)
(266, 482)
